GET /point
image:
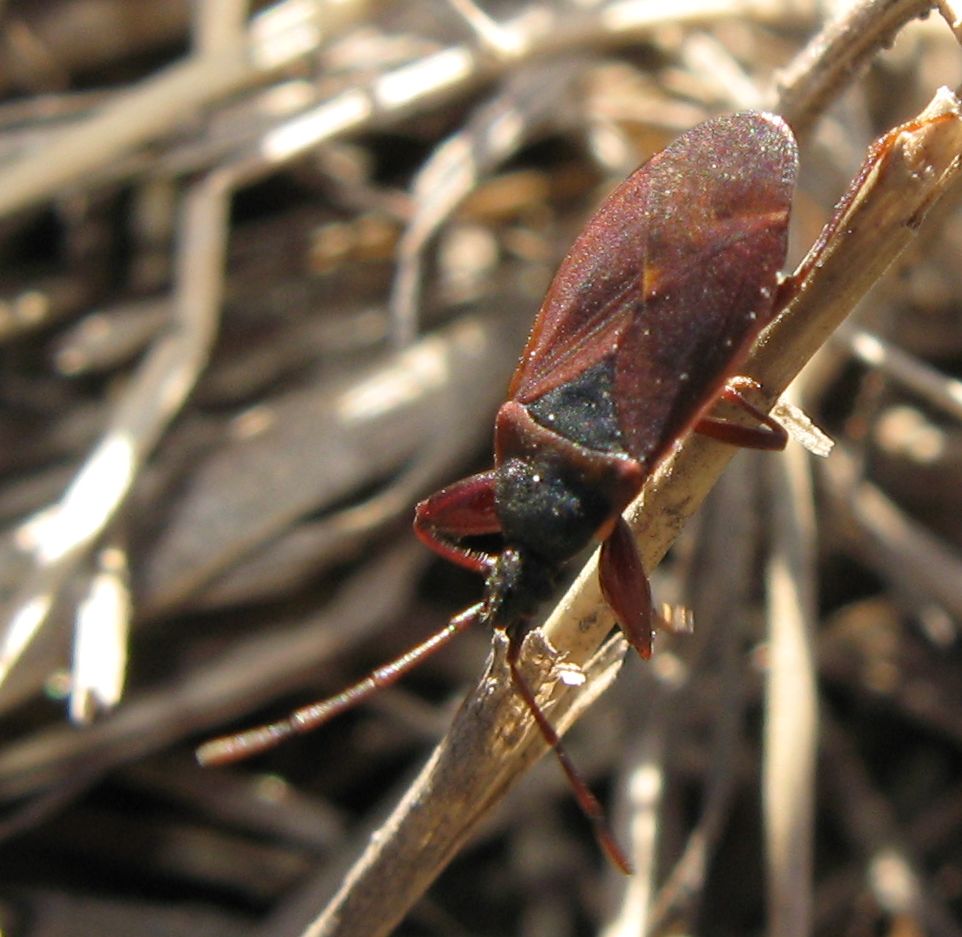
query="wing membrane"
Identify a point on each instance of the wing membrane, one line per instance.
(674, 275)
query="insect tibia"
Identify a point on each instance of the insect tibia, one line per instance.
(589, 804)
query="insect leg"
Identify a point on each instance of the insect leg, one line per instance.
(232, 748)
(585, 799)
(464, 509)
(768, 435)
(625, 587)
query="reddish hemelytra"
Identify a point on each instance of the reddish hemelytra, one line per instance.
(641, 331)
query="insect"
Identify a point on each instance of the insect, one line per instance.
(640, 333)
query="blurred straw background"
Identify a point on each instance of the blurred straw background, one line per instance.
(265, 271)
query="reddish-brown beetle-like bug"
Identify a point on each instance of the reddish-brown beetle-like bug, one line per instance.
(640, 333)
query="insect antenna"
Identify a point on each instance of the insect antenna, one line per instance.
(586, 800)
(232, 748)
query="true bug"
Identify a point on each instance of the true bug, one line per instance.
(641, 331)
